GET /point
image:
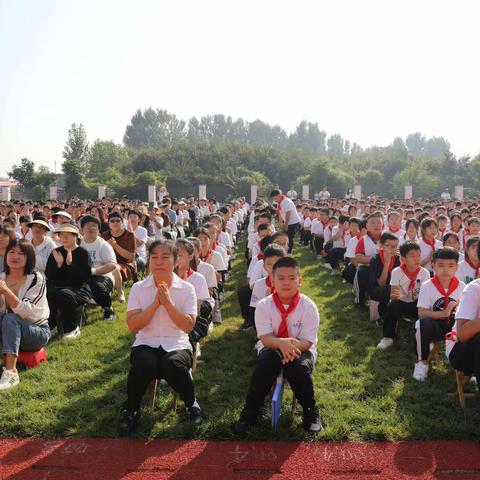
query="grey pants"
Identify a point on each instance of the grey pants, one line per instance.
(18, 334)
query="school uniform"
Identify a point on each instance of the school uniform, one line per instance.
(350, 270)
(302, 323)
(367, 246)
(261, 289)
(286, 205)
(258, 272)
(426, 250)
(465, 356)
(410, 284)
(429, 330)
(405, 238)
(307, 234)
(338, 250)
(398, 233)
(380, 293)
(467, 272)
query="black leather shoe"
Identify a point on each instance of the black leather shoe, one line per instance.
(128, 422)
(311, 420)
(195, 415)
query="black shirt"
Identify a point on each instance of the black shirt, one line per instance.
(70, 276)
(376, 269)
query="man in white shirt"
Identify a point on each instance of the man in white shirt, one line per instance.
(104, 263)
(445, 196)
(292, 194)
(287, 214)
(324, 194)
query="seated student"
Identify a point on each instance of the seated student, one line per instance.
(263, 232)
(405, 283)
(473, 231)
(205, 269)
(340, 237)
(367, 247)
(327, 234)
(468, 269)
(68, 272)
(381, 267)
(264, 286)
(224, 239)
(141, 237)
(394, 225)
(357, 230)
(411, 231)
(428, 243)
(318, 228)
(463, 343)
(451, 239)
(23, 309)
(6, 235)
(287, 325)
(306, 230)
(23, 228)
(103, 261)
(456, 225)
(442, 221)
(42, 243)
(123, 243)
(214, 231)
(436, 304)
(161, 312)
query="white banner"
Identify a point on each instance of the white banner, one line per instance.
(102, 191)
(305, 192)
(53, 192)
(253, 194)
(357, 192)
(408, 192)
(202, 191)
(459, 192)
(152, 193)
(6, 194)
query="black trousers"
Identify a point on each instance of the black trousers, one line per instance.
(269, 366)
(148, 363)
(429, 331)
(394, 311)
(318, 244)
(349, 272)
(381, 294)
(360, 283)
(64, 305)
(465, 356)
(291, 235)
(307, 236)
(334, 256)
(101, 287)
(244, 294)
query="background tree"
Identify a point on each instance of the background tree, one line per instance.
(76, 146)
(24, 173)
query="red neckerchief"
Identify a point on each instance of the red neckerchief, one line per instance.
(475, 267)
(283, 327)
(445, 293)
(394, 230)
(430, 244)
(270, 286)
(279, 208)
(382, 258)
(324, 223)
(188, 273)
(358, 236)
(411, 276)
(207, 256)
(441, 230)
(260, 256)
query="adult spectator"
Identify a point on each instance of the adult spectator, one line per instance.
(41, 242)
(23, 309)
(287, 215)
(292, 194)
(445, 196)
(103, 262)
(324, 194)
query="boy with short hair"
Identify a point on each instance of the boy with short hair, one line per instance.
(436, 304)
(468, 269)
(287, 325)
(357, 230)
(340, 238)
(405, 283)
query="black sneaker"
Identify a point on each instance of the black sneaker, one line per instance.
(246, 420)
(379, 322)
(195, 415)
(109, 314)
(246, 325)
(129, 422)
(311, 420)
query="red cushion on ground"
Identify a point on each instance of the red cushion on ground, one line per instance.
(32, 359)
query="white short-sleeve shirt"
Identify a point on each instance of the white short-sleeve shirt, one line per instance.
(258, 272)
(200, 284)
(208, 272)
(216, 261)
(399, 278)
(287, 205)
(426, 251)
(141, 234)
(100, 252)
(259, 292)
(161, 331)
(302, 323)
(431, 299)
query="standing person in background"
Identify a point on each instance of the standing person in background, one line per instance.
(324, 194)
(292, 194)
(287, 215)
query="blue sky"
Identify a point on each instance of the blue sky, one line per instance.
(368, 70)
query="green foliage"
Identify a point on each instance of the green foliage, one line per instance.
(24, 173)
(34, 184)
(76, 147)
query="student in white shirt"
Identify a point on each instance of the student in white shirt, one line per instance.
(357, 230)
(450, 239)
(340, 238)
(161, 312)
(287, 214)
(394, 225)
(405, 283)
(205, 269)
(103, 261)
(141, 236)
(428, 243)
(468, 269)
(41, 242)
(411, 232)
(436, 305)
(287, 325)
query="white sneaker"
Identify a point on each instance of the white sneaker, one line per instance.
(73, 335)
(9, 379)
(385, 343)
(420, 372)
(328, 266)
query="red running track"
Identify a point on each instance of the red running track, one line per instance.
(75, 459)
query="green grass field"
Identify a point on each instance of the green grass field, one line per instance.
(362, 394)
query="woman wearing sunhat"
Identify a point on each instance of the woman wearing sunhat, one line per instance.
(68, 271)
(41, 242)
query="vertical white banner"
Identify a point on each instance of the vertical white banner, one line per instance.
(6, 194)
(53, 192)
(408, 192)
(253, 194)
(357, 192)
(202, 191)
(102, 191)
(305, 192)
(152, 193)
(459, 192)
